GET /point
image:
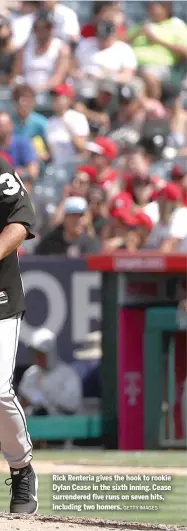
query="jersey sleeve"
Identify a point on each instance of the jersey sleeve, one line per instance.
(15, 204)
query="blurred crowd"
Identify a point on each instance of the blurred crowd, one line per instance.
(94, 119)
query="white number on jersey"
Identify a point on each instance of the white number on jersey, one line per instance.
(12, 185)
(20, 181)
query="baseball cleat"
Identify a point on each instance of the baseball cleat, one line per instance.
(24, 489)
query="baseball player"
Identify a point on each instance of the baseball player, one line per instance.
(16, 225)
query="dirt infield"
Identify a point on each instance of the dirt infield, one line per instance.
(48, 523)
(68, 523)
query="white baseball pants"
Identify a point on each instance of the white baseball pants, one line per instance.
(14, 439)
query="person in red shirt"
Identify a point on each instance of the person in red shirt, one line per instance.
(103, 152)
(179, 175)
(129, 230)
(81, 182)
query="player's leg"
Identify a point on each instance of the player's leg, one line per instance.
(15, 441)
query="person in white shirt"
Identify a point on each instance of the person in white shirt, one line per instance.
(170, 233)
(105, 56)
(44, 62)
(66, 25)
(68, 130)
(22, 22)
(50, 385)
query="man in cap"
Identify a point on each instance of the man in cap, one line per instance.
(103, 152)
(50, 385)
(98, 100)
(67, 130)
(170, 233)
(71, 236)
(134, 107)
(122, 231)
(130, 108)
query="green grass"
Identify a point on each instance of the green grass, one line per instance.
(166, 458)
(172, 511)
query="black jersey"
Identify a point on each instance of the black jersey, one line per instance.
(15, 207)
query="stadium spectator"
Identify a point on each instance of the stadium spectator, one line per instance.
(135, 107)
(66, 25)
(179, 175)
(107, 137)
(71, 236)
(68, 130)
(160, 44)
(130, 111)
(144, 226)
(81, 182)
(176, 115)
(105, 56)
(50, 386)
(103, 152)
(22, 21)
(44, 61)
(99, 209)
(122, 231)
(140, 183)
(80, 186)
(141, 195)
(170, 233)
(109, 12)
(7, 51)
(27, 122)
(130, 231)
(18, 148)
(99, 103)
(154, 142)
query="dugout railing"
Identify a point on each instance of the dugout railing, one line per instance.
(144, 364)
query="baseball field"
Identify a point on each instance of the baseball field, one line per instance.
(106, 467)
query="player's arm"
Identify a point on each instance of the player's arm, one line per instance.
(17, 219)
(11, 238)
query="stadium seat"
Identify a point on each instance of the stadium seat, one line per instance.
(58, 176)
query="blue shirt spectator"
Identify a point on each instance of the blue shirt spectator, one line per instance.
(18, 148)
(26, 121)
(32, 126)
(21, 151)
